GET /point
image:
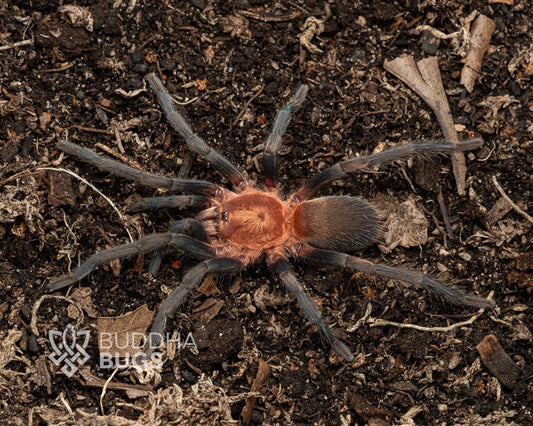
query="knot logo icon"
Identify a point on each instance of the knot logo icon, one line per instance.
(69, 348)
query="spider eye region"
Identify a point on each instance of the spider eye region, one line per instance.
(253, 220)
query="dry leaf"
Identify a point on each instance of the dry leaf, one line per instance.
(424, 78)
(122, 336)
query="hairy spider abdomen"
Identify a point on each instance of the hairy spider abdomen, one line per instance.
(253, 220)
(336, 223)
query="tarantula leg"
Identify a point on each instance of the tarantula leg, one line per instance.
(144, 245)
(309, 308)
(402, 152)
(157, 258)
(191, 227)
(273, 143)
(192, 279)
(142, 178)
(449, 294)
(168, 202)
(192, 140)
(185, 226)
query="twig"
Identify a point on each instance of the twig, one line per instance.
(16, 44)
(260, 16)
(380, 323)
(123, 158)
(504, 195)
(444, 212)
(104, 390)
(256, 94)
(65, 403)
(90, 129)
(86, 182)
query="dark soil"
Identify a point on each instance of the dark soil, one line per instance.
(234, 64)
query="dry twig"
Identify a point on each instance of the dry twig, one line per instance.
(515, 207)
(16, 44)
(381, 323)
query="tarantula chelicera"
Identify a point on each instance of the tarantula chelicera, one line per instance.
(238, 227)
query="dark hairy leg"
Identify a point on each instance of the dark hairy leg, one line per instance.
(401, 152)
(309, 308)
(171, 201)
(138, 176)
(448, 294)
(145, 244)
(192, 279)
(192, 140)
(273, 143)
(184, 226)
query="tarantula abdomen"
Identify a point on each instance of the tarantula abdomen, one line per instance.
(336, 223)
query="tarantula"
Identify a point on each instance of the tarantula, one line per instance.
(238, 227)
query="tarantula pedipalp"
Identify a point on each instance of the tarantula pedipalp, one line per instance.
(238, 227)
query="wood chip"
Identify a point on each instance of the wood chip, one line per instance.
(497, 361)
(498, 210)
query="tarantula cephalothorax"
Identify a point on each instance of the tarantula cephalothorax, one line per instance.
(237, 227)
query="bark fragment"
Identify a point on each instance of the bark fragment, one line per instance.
(480, 35)
(497, 361)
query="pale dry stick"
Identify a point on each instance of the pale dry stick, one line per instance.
(361, 320)
(256, 94)
(104, 390)
(65, 403)
(94, 188)
(174, 99)
(268, 18)
(513, 205)
(16, 44)
(381, 323)
(424, 78)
